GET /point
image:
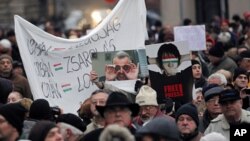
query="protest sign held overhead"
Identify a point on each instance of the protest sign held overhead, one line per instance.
(58, 69)
(170, 71)
(195, 35)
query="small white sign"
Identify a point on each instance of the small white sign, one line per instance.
(195, 35)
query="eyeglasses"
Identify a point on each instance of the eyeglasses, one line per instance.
(98, 101)
(146, 108)
(126, 68)
(117, 68)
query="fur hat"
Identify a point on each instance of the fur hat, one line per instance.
(188, 109)
(115, 132)
(239, 71)
(14, 113)
(73, 120)
(117, 99)
(26, 103)
(217, 50)
(213, 136)
(146, 96)
(40, 130)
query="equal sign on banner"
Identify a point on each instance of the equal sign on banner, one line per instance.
(58, 49)
(58, 66)
(66, 87)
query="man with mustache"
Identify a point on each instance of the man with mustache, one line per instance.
(149, 108)
(122, 69)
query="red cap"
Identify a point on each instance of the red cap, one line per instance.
(246, 14)
(210, 39)
(224, 22)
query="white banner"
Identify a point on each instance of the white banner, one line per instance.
(58, 69)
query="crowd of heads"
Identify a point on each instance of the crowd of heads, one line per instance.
(221, 95)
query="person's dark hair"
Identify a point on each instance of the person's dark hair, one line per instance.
(236, 18)
(187, 21)
(167, 48)
(84, 111)
(10, 33)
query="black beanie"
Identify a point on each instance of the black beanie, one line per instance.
(188, 109)
(217, 50)
(40, 130)
(14, 113)
(40, 110)
(73, 120)
(239, 71)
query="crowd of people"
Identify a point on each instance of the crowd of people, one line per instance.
(220, 96)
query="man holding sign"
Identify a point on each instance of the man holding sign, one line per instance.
(172, 82)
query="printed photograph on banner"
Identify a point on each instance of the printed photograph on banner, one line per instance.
(170, 71)
(120, 65)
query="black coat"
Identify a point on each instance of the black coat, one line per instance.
(5, 89)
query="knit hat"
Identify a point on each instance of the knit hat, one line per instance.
(217, 50)
(40, 130)
(14, 113)
(210, 39)
(212, 92)
(239, 71)
(188, 109)
(40, 110)
(229, 95)
(158, 126)
(6, 56)
(146, 96)
(73, 120)
(224, 37)
(5, 43)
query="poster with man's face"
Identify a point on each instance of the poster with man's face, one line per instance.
(170, 71)
(120, 65)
